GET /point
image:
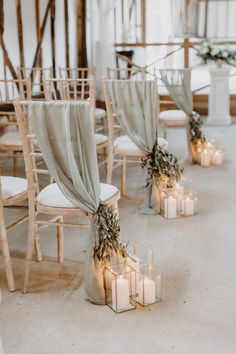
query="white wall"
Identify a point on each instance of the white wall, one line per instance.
(29, 34)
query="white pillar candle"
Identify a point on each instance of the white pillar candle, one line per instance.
(120, 294)
(147, 291)
(205, 157)
(187, 206)
(170, 207)
(134, 262)
(217, 157)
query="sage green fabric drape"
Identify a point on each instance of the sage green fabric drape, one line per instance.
(136, 112)
(66, 140)
(178, 84)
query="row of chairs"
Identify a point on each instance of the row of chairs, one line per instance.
(120, 150)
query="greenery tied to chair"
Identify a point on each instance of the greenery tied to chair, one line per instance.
(161, 165)
(108, 235)
(196, 135)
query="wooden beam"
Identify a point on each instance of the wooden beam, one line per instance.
(38, 30)
(20, 32)
(42, 30)
(143, 21)
(53, 15)
(7, 60)
(186, 53)
(81, 33)
(66, 19)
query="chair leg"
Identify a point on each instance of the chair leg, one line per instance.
(109, 158)
(15, 164)
(60, 257)
(123, 176)
(115, 208)
(6, 254)
(38, 248)
(30, 246)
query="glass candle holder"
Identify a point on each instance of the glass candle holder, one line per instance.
(189, 203)
(120, 287)
(217, 157)
(169, 203)
(205, 156)
(150, 286)
(138, 255)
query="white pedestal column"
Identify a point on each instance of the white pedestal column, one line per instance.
(219, 98)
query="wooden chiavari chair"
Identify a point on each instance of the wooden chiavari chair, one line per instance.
(124, 150)
(50, 200)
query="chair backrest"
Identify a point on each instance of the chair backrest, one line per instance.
(70, 90)
(36, 76)
(126, 73)
(113, 124)
(12, 89)
(76, 73)
(32, 155)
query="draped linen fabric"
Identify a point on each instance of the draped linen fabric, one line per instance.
(66, 140)
(136, 111)
(178, 84)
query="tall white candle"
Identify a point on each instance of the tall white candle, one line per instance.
(147, 291)
(205, 157)
(170, 207)
(187, 206)
(120, 294)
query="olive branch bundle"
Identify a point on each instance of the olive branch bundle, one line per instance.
(195, 123)
(160, 163)
(108, 235)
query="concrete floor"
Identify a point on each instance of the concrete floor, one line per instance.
(197, 258)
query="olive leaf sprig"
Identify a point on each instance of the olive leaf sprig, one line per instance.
(108, 235)
(195, 123)
(160, 163)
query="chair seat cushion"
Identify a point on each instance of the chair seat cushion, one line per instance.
(173, 114)
(11, 141)
(100, 113)
(12, 186)
(100, 138)
(52, 196)
(123, 144)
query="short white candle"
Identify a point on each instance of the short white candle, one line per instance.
(120, 294)
(147, 291)
(205, 157)
(170, 207)
(217, 157)
(187, 206)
